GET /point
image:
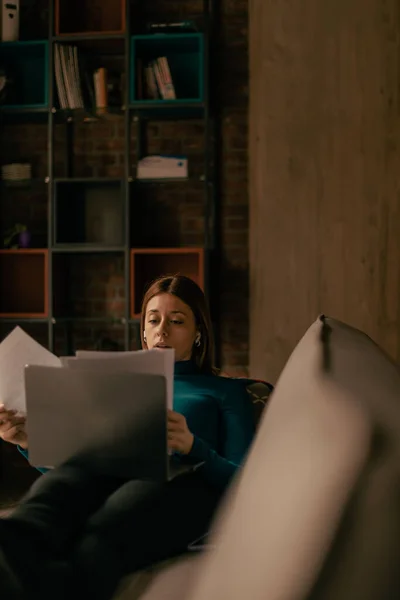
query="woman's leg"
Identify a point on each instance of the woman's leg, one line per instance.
(140, 524)
(42, 530)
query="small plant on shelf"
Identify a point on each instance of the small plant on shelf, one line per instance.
(23, 240)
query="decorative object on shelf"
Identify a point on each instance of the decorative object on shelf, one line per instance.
(10, 20)
(16, 172)
(4, 85)
(24, 237)
(172, 27)
(162, 167)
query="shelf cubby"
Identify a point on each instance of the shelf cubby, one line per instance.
(88, 286)
(81, 334)
(185, 55)
(23, 283)
(90, 17)
(25, 202)
(89, 212)
(149, 263)
(172, 214)
(27, 65)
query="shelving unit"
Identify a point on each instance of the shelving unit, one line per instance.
(105, 237)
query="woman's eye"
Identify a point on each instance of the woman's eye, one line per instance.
(152, 321)
(175, 322)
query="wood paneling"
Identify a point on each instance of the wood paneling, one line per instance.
(324, 172)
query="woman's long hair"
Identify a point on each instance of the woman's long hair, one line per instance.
(191, 294)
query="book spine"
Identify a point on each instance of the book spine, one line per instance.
(169, 88)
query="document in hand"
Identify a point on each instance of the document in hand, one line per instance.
(147, 362)
(17, 350)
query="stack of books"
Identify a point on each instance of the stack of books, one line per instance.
(78, 88)
(155, 77)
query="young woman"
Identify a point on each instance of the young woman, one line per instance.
(79, 533)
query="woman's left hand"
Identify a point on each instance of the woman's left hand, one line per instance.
(180, 438)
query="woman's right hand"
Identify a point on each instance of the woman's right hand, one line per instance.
(12, 427)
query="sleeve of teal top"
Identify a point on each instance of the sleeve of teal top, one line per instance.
(25, 453)
(237, 434)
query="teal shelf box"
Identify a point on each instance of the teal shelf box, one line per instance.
(26, 64)
(185, 55)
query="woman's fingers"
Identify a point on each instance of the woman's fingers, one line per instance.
(174, 427)
(6, 414)
(11, 422)
(174, 417)
(10, 434)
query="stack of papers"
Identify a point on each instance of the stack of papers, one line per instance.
(19, 350)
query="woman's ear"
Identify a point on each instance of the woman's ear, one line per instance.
(197, 339)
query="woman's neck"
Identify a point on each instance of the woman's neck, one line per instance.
(186, 367)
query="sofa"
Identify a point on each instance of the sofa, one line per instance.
(315, 513)
(143, 585)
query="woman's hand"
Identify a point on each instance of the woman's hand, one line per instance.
(180, 438)
(12, 427)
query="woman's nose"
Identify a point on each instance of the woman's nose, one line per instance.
(163, 330)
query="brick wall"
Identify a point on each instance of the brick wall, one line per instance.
(98, 151)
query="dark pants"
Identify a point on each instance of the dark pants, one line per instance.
(78, 532)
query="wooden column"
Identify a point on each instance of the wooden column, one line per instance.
(324, 175)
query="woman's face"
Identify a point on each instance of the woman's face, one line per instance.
(170, 323)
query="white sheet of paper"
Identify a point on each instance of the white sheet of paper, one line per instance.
(150, 362)
(17, 350)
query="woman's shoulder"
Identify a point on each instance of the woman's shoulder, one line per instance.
(225, 383)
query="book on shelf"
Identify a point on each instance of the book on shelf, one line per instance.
(155, 80)
(100, 89)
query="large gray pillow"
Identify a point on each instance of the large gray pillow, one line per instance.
(315, 514)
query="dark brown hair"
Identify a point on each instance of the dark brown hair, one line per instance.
(191, 294)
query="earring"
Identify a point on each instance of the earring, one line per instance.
(144, 337)
(197, 341)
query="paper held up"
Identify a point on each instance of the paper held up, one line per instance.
(17, 350)
(150, 362)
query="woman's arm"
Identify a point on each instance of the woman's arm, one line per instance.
(237, 433)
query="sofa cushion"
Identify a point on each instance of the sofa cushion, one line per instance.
(259, 393)
(315, 513)
(168, 580)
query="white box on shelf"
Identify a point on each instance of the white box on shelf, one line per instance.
(162, 167)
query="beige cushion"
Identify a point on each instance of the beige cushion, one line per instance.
(168, 580)
(315, 514)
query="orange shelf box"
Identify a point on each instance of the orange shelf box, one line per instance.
(90, 17)
(23, 283)
(149, 263)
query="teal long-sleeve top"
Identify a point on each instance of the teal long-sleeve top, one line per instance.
(220, 416)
